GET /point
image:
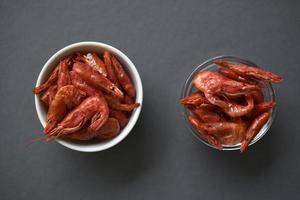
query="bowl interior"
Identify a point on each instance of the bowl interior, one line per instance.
(188, 89)
(99, 48)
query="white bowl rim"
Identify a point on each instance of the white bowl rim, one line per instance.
(133, 118)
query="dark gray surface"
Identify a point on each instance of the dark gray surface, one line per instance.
(160, 159)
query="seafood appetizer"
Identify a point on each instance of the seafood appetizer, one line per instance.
(88, 97)
(228, 106)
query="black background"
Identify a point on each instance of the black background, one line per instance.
(160, 159)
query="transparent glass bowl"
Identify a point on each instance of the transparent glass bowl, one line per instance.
(208, 65)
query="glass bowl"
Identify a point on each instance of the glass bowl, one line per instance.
(188, 89)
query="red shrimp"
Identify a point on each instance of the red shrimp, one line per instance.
(123, 78)
(110, 70)
(230, 108)
(250, 71)
(219, 128)
(82, 85)
(254, 129)
(206, 136)
(232, 75)
(237, 134)
(89, 90)
(120, 116)
(225, 132)
(208, 106)
(109, 130)
(49, 95)
(97, 80)
(66, 98)
(91, 108)
(197, 98)
(265, 106)
(63, 73)
(95, 62)
(116, 104)
(50, 81)
(261, 108)
(128, 100)
(258, 96)
(206, 115)
(214, 83)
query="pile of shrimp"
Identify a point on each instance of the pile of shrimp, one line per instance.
(88, 97)
(228, 107)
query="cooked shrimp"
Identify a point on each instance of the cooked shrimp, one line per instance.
(254, 129)
(109, 130)
(116, 104)
(97, 80)
(93, 108)
(123, 78)
(66, 98)
(50, 81)
(63, 73)
(250, 71)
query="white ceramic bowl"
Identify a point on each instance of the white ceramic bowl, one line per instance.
(98, 48)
